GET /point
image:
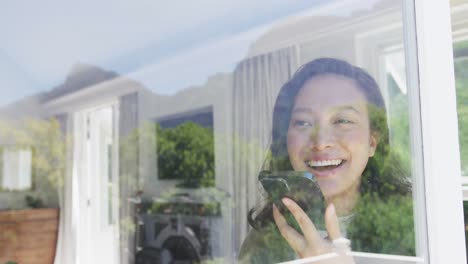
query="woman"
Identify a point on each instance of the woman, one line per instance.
(330, 120)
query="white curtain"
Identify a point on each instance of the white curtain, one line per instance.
(128, 174)
(257, 81)
(79, 190)
(66, 251)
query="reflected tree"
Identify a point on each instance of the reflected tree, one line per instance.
(186, 152)
(384, 219)
(461, 81)
(48, 144)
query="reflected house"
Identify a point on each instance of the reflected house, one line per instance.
(89, 87)
(206, 107)
(240, 106)
(78, 105)
(111, 119)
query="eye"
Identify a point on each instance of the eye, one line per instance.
(343, 121)
(301, 123)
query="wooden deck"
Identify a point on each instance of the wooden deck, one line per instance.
(28, 236)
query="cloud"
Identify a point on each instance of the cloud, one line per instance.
(48, 37)
(194, 66)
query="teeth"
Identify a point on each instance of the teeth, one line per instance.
(322, 163)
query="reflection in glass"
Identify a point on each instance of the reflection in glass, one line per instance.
(329, 119)
(16, 169)
(172, 170)
(460, 50)
(185, 148)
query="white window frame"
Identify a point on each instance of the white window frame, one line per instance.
(440, 146)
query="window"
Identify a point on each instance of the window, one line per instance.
(460, 56)
(16, 168)
(171, 137)
(181, 137)
(460, 50)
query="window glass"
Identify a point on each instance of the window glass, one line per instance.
(460, 50)
(16, 171)
(465, 209)
(169, 133)
(460, 57)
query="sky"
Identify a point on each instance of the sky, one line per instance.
(145, 39)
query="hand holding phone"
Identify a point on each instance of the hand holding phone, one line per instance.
(301, 187)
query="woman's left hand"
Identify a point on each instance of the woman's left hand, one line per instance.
(311, 243)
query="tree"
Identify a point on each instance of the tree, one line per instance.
(186, 152)
(383, 220)
(48, 145)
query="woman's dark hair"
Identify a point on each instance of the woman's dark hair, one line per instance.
(374, 180)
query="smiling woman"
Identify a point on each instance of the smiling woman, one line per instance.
(330, 120)
(329, 135)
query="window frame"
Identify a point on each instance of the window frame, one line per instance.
(440, 146)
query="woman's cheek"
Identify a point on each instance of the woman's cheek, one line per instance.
(296, 147)
(355, 137)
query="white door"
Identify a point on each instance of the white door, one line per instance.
(99, 241)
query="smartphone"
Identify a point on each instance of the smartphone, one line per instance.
(300, 187)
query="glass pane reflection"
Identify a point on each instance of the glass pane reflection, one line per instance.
(201, 106)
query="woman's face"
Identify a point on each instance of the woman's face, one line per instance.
(329, 134)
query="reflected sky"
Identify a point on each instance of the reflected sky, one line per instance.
(167, 46)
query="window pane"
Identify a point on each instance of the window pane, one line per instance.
(465, 209)
(165, 133)
(460, 54)
(460, 50)
(16, 169)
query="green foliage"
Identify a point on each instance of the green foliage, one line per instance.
(387, 172)
(210, 209)
(265, 245)
(186, 152)
(47, 141)
(399, 127)
(48, 144)
(32, 202)
(384, 225)
(383, 221)
(461, 82)
(129, 155)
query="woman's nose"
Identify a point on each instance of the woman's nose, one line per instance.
(321, 137)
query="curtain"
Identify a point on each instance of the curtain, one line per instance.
(79, 188)
(128, 174)
(257, 81)
(66, 243)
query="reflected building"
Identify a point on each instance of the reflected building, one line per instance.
(91, 97)
(124, 209)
